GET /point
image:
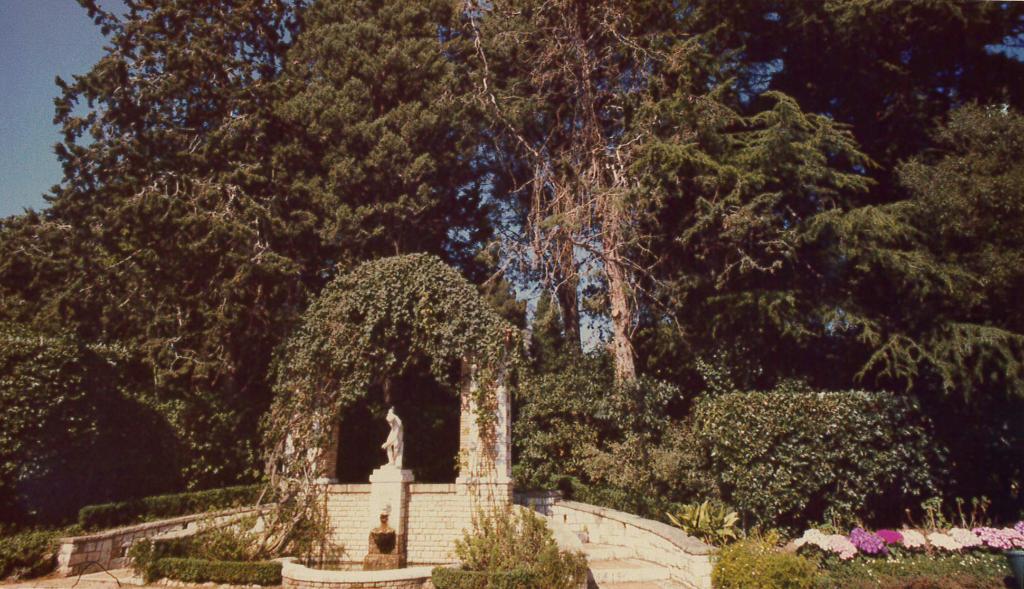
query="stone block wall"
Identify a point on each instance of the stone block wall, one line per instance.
(437, 515)
(348, 508)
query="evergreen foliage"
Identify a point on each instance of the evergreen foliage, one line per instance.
(742, 193)
(165, 236)
(62, 405)
(792, 455)
(382, 143)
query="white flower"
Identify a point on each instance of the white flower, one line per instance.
(913, 539)
(965, 538)
(812, 537)
(944, 541)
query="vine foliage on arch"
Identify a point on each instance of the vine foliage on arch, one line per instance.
(366, 327)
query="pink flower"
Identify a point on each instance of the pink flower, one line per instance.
(890, 536)
(1004, 539)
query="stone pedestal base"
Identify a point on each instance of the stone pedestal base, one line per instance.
(389, 491)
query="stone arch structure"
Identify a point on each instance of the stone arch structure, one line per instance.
(364, 329)
(482, 459)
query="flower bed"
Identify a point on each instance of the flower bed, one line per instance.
(867, 544)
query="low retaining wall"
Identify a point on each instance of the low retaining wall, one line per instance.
(108, 549)
(687, 559)
(297, 576)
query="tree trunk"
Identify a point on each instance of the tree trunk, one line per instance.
(568, 305)
(621, 309)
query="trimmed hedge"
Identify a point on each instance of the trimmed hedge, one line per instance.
(194, 570)
(792, 456)
(111, 515)
(28, 554)
(450, 578)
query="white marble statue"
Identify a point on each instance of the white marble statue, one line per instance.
(395, 444)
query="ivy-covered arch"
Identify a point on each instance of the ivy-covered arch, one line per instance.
(368, 326)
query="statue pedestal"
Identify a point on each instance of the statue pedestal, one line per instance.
(389, 491)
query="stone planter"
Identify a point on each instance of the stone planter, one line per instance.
(1016, 560)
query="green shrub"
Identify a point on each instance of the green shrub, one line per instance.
(69, 426)
(28, 554)
(975, 570)
(709, 521)
(109, 515)
(757, 563)
(449, 578)
(788, 457)
(194, 570)
(611, 444)
(515, 539)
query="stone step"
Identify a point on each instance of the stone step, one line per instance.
(629, 570)
(608, 552)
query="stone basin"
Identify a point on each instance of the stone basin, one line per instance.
(295, 575)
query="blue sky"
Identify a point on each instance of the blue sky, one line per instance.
(39, 40)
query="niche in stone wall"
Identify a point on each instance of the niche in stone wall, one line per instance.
(430, 415)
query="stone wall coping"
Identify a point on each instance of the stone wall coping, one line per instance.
(346, 488)
(294, 571)
(677, 537)
(146, 526)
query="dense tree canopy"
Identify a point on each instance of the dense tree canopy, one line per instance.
(829, 191)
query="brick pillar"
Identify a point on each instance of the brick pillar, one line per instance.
(481, 461)
(329, 456)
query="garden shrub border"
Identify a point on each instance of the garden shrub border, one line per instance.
(455, 578)
(121, 513)
(28, 554)
(195, 570)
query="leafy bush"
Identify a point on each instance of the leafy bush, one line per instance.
(977, 570)
(28, 554)
(194, 570)
(449, 578)
(757, 563)
(68, 427)
(606, 444)
(791, 456)
(515, 540)
(108, 515)
(711, 522)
